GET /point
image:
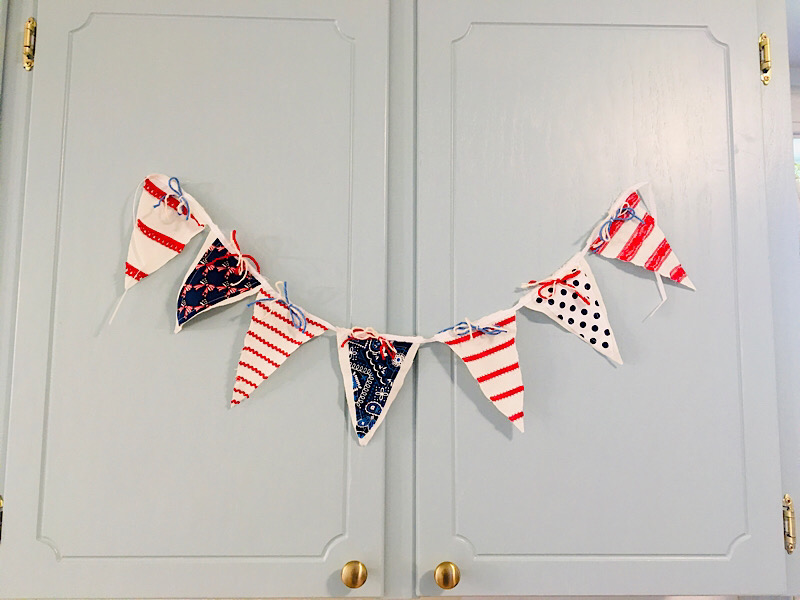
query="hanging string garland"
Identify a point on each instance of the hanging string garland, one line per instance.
(373, 364)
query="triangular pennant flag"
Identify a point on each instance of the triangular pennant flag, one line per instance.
(631, 234)
(373, 367)
(277, 328)
(489, 349)
(166, 219)
(217, 278)
(571, 297)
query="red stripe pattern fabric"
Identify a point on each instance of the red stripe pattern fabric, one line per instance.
(677, 274)
(575, 303)
(160, 231)
(491, 350)
(493, 362)
(640, 241)
(160, 238)
(133, 272)
(268, 342)
(658, 257)
(634, 244)
(151, 188)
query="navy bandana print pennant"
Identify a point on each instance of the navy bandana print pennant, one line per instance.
(218, 278)
(375, 376)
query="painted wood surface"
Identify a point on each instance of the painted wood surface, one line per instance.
(660, 476)
(665, 442)
(127, 475)
(783, 211)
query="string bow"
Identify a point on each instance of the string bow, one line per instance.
(360, 333)
(467, 327)
(548, 288)
(624, 213)
(177, 193)
(241, 267)
(296, 313)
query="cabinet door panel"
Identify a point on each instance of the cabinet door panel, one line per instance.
(657, 477)
(127, 475)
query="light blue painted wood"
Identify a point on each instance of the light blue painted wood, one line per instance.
(3, 34)
(659, 477)
(399, 569)
(126, 475)
(14, 103)
(784, 238)
(399, 425)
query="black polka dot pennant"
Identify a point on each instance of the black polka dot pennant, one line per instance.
(571, 298)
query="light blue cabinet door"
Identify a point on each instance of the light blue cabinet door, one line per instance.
(657, 477)
(126, 474)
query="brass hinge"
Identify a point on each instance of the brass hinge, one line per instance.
(788, 524)
(765, 58)
(29, 44)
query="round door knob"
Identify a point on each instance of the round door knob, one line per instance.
(447, 575)
(354, 574)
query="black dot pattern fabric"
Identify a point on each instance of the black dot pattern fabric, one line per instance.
(576, 304)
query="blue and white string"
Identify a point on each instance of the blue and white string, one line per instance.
(466, 327)
(624, 213)
(296, 314)
(178, 192)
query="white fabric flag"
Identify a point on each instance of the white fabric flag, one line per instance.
(220, 275)
(571, 297)
(630, 234)
(488, 348)
(277, 328)
(166, 219)
(374, 367)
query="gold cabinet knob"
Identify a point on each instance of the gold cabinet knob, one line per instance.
(447, 575)
(354, 574)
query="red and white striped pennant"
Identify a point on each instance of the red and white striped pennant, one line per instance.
(631, 234)
(161, 229)
(489, 350)
(270, 340)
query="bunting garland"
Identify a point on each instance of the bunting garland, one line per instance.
(374, 365)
